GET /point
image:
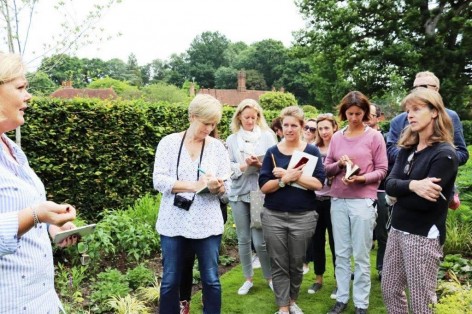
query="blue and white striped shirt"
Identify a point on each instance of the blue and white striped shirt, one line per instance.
(26, 263)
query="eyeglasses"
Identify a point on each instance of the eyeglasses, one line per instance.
(312, 129)
(409, 164)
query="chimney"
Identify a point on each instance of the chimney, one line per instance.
(192, 89)
(241, 81)
(67, 84)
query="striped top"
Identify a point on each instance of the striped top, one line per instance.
(26, 263)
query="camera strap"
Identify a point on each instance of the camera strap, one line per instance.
(199, 162)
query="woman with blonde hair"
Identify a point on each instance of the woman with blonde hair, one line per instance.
(27, 220)
(423, 174)
(250, 140)
(289, 216)
(185, 163)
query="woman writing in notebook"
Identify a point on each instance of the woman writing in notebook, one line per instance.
(289, 217)
(353, 197)
(251, 138)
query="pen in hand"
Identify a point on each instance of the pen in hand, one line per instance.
(442, 196)
(273, 160)
(201, 170)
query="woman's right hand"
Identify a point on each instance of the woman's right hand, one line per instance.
(342, 162)
(53, 213)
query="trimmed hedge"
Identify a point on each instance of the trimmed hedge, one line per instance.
(100, 154)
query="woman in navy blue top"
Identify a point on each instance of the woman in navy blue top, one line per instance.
(289, 218)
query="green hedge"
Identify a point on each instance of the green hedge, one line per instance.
(100, 154)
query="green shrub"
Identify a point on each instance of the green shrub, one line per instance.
(277, 100)
(458, 302)
(110, 283)
(140, 276)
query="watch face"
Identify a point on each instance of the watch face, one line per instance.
(281, 183)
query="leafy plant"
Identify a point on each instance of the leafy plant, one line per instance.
(226, 260)
(110, 283)
(151, 294)
(458, 233)
(456, 267)
(128, 304)
(140, 276)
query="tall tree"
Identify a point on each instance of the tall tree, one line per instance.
(206, 54)
(364, 43)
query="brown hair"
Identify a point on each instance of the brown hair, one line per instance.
(442, 127)
(354, 98)
(323, 117)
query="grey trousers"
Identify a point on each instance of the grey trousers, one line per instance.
(287, 235)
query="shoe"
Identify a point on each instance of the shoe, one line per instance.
(334, 294)
(184, 307)
(306, 269)
(247, 285)
(294, 309)
(281, 312)
(380, 275)
(256, 263)
(352, 276)
(338, 308)
(360, 311)
(315, 288)
(271, 286)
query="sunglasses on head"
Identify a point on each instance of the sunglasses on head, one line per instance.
(312, 129)
(424, 86)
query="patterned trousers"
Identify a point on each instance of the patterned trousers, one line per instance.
(411, 262)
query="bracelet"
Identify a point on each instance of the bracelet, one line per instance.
(35, 218)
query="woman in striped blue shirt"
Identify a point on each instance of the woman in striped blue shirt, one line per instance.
(26, 218)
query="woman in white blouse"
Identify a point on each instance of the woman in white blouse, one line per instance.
(26, 218)
(185, 163)
(251, 138)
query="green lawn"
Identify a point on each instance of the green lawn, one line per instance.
(260, 300)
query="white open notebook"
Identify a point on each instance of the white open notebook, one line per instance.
(309, 166)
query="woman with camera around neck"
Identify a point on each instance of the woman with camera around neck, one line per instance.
(27, 220)
(251, 138)
(185, 163)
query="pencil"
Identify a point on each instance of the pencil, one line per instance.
(273, 160)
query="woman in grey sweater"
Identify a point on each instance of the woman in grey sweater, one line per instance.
(247, 145)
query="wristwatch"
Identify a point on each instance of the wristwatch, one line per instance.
(281, 183)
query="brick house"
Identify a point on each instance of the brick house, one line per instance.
(66, 91)
(231, 97)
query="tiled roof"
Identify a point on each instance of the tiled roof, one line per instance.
(232, 97)
(69, 93)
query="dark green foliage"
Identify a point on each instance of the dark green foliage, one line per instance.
(111, 283)
(467, 126)
(140, 276)
(277, 100)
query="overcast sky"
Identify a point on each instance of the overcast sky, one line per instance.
(154, 29)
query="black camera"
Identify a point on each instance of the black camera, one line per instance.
(182, 203)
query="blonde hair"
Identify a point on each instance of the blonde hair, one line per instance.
(442, 127)
(11, 67)
(248, 103)
(324, 117)
(293, 111)
(205, 107)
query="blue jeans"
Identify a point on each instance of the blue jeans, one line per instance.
(173, 251)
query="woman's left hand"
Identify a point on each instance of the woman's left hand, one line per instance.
(215, 185)
(353, 179)
(53, 230)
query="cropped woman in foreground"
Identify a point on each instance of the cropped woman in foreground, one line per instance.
(27, 220)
